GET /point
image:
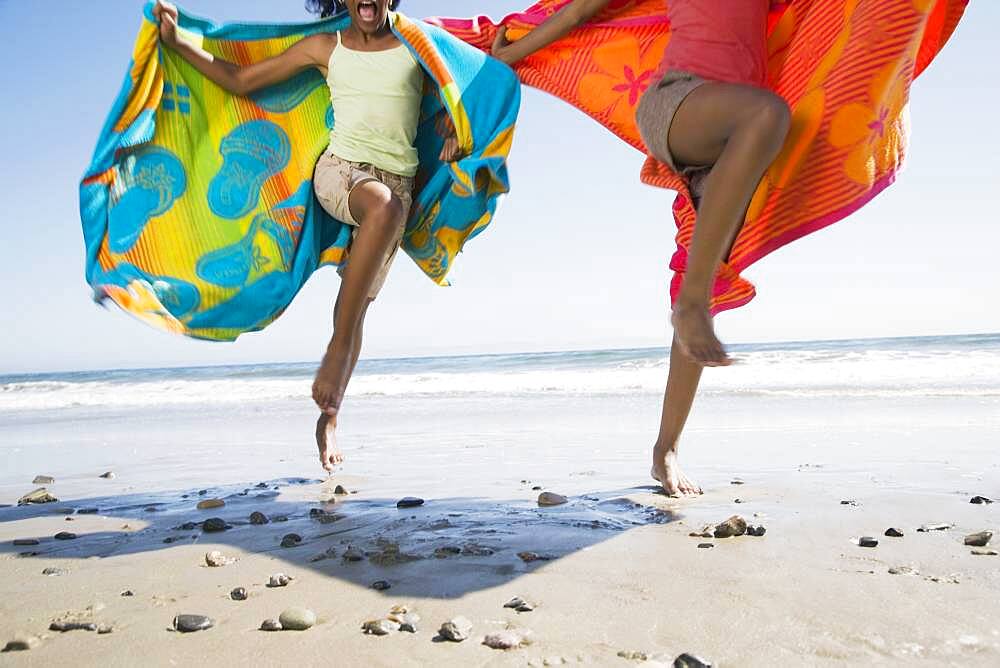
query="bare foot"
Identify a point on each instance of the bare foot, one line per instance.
(330, 455)
(326, 387)
(668, 473)
(696, 335)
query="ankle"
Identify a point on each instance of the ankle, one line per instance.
(661, 450)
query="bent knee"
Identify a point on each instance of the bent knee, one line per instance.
(773, 118)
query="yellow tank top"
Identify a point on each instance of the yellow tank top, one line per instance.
(376, 98)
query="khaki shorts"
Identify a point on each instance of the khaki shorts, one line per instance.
(655, 114)
(335, 179)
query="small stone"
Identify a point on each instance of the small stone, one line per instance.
(686, 660)
(737, 500)
(40, 495)
(867, 541)
(756, 530)
(104, 629)
(447, 551)
(979, 539)
(43, 480)
(208, 504)
(849, 502)
(409, 502)
(291, 540)
(506, 639)
(340, 490)
(22, 643)
(214, 525)
(456, 629)
(706, 546)
(216, 559)
(893, 532)
(279, 580)
(978, 500)
(528, 557)
(551, 499)
(633, 655)
(238, 594)
(379, 627)
(202, 492)
(734, 526)
(353, 554)
(902, 570)
(65, 535)
(24, 542)
(270, 625)
(519, 604)
(52, 571)
(934, 527)
(536, 488)
(297, 619)
(736, 482)
(64, 626)
(108, 475)
(380, 585)
(257, 517)
(192, 623)
(984, 553)
(408, 623)
(473, 550)
(127, 593)
(328, 518)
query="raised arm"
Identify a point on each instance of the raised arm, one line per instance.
(242, 80)
(556, 27)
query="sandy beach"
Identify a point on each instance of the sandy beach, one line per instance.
(614, 578)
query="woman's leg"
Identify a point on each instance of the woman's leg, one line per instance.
(738, 131)
(380, 216)
(682, 384)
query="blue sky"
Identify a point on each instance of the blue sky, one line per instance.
(576, 259)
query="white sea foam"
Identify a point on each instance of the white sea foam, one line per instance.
(815, 372)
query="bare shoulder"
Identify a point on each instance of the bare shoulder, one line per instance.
(318, 47)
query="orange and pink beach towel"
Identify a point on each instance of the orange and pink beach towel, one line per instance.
(845, 68)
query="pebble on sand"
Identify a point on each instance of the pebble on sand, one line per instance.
(270, 625)
(519, 604)
(297, 619)
(291, 540)
(686, 660)
(192, 623)
(216, 559)
(706, 546)
(902, 570)
(985, 553)
(379, 627)
(127, 593)
(633, 655)
(24, 542)
(979, 539)
(64, 626)
(65, 535)
(867, 541)
(923, 528)
(456, 629)
(208, 504)
(22, 643)
(551, 499)
(404, 617)
(509, 639)
(214, 525)
(756, 530)
(980, 500)
(734, 526)
(53, 571)
(43, 480)
(40, 495)
(380, 585)
(108, 475)
(893, 532)
(279, 580)
(257, 517)
(238, 594)
(409, 502)
(340, 490)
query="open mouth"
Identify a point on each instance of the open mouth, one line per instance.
(367, 10)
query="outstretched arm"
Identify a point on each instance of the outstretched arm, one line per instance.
(237, 79)
(556, 27)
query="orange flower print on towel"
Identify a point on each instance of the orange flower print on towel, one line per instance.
(874, 132)
(626, 71)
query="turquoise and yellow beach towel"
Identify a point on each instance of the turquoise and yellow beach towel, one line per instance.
(198, 209)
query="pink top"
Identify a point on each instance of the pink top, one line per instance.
(722, 40)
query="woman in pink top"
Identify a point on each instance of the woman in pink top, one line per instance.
(707, 115)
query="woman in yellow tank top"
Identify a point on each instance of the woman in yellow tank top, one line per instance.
(365, 177)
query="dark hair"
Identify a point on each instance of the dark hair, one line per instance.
(327, 8)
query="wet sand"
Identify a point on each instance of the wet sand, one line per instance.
(618, 574)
